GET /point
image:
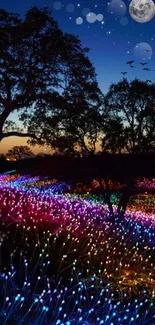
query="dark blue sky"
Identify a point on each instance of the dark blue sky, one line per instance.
(111, 41)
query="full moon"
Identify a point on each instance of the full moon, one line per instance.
(142, 11)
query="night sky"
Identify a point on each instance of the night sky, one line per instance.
(107, 28)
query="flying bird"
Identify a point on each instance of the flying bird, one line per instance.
(132, 66)
(146, 69)
(124, 72)
(148, 80)
(143, 63)
(130, 62)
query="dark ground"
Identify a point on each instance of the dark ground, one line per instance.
(119, 167)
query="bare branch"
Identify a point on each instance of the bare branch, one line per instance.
(18, 134)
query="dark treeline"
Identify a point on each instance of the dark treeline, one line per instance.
(116, 167)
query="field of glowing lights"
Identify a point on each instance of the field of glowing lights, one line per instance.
(63, 261)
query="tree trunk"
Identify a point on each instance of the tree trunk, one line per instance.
(127, 192)
(3, 118)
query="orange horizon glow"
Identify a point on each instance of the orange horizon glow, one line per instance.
(7, 144)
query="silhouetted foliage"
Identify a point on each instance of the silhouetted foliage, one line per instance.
(20, 152)
(43, 68)
(23, 63)
(47, 77)
(71, 123)
(129, 117)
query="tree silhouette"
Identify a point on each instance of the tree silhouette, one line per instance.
(46, 76)
(114, 138)
(129, 117)
(30, 64)
(20, 152)
(74, 124)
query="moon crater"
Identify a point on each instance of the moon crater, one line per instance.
(142, 11)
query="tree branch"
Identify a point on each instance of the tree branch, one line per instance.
(17, 134)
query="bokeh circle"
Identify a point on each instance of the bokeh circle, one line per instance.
(79, 21)
(57, 5)
(91, 17)
(70, 7)
(143, 51)
(117, 7)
